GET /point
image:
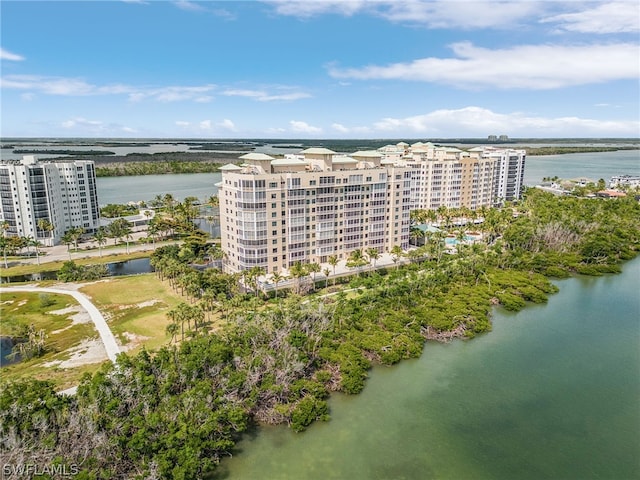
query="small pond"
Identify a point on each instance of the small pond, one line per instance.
(129, 267)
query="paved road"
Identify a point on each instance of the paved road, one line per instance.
(98, 320)
(63, 253)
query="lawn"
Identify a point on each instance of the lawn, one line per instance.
(135, 308)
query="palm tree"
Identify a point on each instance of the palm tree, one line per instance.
(172, 329)
(255, 273)
(76, 233)
(416, 234)
(396, 253)
(46, 226)
(4, 243)
(326, 273)
(168, 202)
(373, 255)
(313, 268)
(333, 261)
(35, 243)
(297, 271)
(213, 200)
(101, 238)
(6, 226)
(356, 259)
(276, 278)
(67, 239)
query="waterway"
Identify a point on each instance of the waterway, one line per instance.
(590, 165)
(147, 187)
(551, 393)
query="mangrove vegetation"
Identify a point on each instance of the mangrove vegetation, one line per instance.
(237, 356)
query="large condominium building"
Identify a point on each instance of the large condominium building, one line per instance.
(509, 173)
(62, 192)
(454, 178)
(306, 208)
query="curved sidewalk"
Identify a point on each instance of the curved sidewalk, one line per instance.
(108, 340)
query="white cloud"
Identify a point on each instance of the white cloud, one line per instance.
(262, 96)
(6, 55)
(311, 8)
(303, 127)
(587, 17)
(177, 93)
(432, 14)
(340, 128)
(83, 126)
(614, 17)
(525, 66)
(275, 130)
(460, 14)
(243, 93)
(205, 125)
(189, 6)
(181, 123)
(48, 85)
(227, 125)
(479, 122)
(67, 86)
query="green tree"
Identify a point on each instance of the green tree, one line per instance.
(373, 255)
(100, 236)
(333, 261)
(396, 254)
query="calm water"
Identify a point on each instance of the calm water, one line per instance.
(590, 165)
(551, 393)
(146, 187)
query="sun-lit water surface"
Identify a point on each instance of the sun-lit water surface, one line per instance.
(551, 393)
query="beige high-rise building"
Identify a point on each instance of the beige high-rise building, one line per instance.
(308, 207)
(454, 178)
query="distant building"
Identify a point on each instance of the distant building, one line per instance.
(492, 138)
(61, 192)
(624, 181)
(449, 177)
(504, 138)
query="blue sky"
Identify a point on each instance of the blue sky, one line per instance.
(320, 69)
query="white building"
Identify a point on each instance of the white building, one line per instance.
(619, 181)
(61, 192)
(509, 173)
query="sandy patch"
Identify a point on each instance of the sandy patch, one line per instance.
(148, 303)
(7, 302)
(133, 341)
(23, 302)
(80, 316)
(89, 351)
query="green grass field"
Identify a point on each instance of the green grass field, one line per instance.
(135, 308)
